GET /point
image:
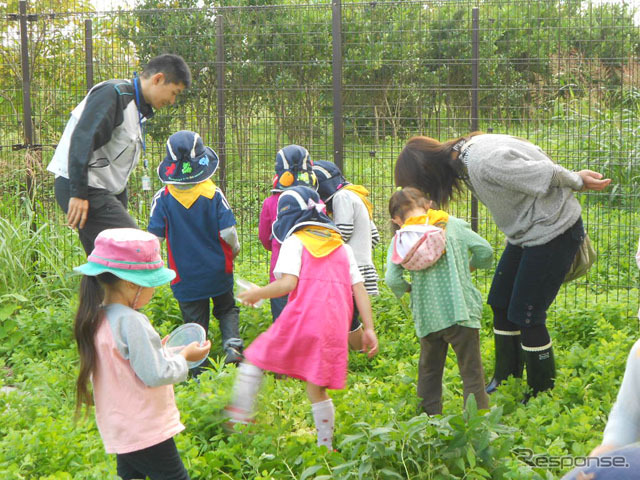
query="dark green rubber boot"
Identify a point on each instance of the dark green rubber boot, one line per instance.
(509, 360)
(541, 370)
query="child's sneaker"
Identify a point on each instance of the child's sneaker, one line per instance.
(234, 355)
(236, 416)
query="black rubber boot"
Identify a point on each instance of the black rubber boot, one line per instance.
(231, 342)
(541, 371)
(509, 360)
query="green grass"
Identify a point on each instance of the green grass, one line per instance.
(379, 431)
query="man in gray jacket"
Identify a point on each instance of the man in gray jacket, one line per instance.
(102, 143)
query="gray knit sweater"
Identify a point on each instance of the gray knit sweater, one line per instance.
(530, 197)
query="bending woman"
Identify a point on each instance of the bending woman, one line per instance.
(531, 200)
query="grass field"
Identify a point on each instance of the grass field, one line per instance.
(379, 430)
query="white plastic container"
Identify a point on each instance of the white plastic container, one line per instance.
(183, 336)
(244, 285)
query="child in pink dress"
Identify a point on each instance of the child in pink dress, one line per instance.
(309, 340)
(293, 167)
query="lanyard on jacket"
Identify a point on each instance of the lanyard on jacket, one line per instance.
(136, 86)
(146, 180)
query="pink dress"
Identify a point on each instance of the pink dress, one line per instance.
(309, 340)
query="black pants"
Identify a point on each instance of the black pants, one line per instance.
(224, 309)
(160, 462)
(105, 211)
(528, 279)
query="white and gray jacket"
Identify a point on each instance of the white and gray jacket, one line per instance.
(623, 425)
(102, 142)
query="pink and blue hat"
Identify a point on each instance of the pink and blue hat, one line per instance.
(188, 161)
(299, 206)
(129, 254)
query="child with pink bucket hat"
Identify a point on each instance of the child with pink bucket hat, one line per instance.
(123, 356)
(309, 339)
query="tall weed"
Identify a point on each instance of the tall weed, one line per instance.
(30, 262)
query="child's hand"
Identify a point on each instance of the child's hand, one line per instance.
(194, 352)
(369, 342)
(164, 340)
(601, 450)
(249, 297)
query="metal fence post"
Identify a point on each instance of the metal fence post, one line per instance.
(26, 99)
(88, 52)
(474, 102)
(336, 62)
(220, 103)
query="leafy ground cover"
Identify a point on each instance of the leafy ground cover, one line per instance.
(380, 432)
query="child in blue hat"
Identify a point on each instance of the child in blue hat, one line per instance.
(192, 213)
(293, 167)
(309, 340)
(352, 212)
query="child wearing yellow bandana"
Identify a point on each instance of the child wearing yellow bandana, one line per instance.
(193, 215)
(309, 341)
(352, 212)
(446, 306)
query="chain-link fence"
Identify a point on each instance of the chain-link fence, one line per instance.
(349, 81)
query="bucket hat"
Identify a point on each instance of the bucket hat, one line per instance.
(129, 254)
(330, 179)
(187, 161)
(293, 168)
(299, 206)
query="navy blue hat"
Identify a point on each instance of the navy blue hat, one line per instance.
(293, 167)
(297, 207)
(330, 179)
(187, 161)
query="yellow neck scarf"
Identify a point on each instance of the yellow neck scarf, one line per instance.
(320, 241)
(188, 196)
(363, 193)
(439, 218)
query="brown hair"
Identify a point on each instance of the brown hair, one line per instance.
(85, 327)
(405, 200)
(428, 164)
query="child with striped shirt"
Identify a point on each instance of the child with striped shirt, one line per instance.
(353, 215)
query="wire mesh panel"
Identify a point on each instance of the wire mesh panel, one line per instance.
(407, 72)
(561, 74)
